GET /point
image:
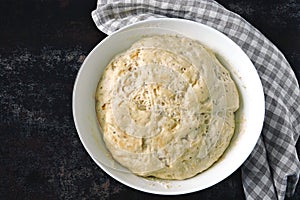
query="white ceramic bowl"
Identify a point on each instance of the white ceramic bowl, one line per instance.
(249, 117)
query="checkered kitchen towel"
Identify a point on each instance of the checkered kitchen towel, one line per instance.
(272, 170)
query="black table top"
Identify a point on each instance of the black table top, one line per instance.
(42, 46)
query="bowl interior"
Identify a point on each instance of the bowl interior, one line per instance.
(249, 117)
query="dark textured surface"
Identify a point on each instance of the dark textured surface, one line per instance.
(42, 46)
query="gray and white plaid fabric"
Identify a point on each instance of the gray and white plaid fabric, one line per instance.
(272, 170)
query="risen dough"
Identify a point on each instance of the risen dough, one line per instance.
(166, 107)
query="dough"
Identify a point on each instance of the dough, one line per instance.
(166, 107)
